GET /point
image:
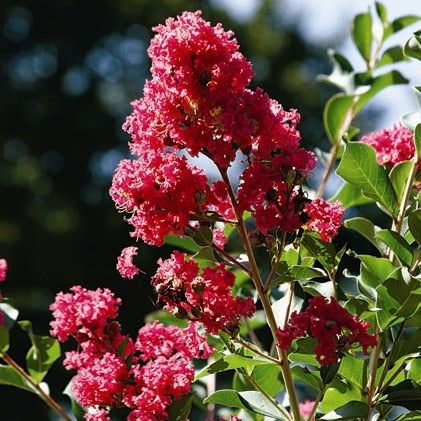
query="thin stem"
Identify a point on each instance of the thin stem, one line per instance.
(276, 263)
(319, 397)
(256, 350)
(37, 389)
(231, 259)
(372, 366)
(264, 299)
(252, 334)
(329, 166)
(289, 304)
(267, 396)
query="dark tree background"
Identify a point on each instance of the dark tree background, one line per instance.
(69, 69)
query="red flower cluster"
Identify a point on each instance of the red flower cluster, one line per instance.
(334, 328)
(205, 297)
(145, 375)
(391, 145)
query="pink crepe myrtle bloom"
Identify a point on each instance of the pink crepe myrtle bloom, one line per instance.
(306, 408)
(391, 145)
(204, 295)
(125, 265)
(145, 376)
(324, 218)
(3, 269)
(335, 329)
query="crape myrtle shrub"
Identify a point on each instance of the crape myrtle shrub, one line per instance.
(354, 344)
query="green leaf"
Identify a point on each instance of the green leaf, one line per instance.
(382, 14)
(230, 362)
(399, 24)
(411, 416)
(412, 120)
(415, 370)
(324, 252)
(185, 243)
(398, 244)
(359, 167)
(350, 411)
(362, 34)
(364, 227)
(377, 85)
(339, 393)
(203, 236)
(9, 377)
(249, 400)
(305, 375)
(4, 338)
(414, 223)
(303, 351)
(206, 255)
(336, 115)
(180, 409)
(41, 356)
(354, 370)
(399, 176)
(408, 344)
(417, 139)
(328, 372)
(406, 394)
(269, 378)
(302, 273)
(392, 55)
(350, 195)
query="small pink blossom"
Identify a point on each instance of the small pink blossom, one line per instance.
(324, 218)
(3, 269)
(306, 408)
(125, 264)
(97, 414)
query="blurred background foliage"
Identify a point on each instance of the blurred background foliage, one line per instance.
(69, 70)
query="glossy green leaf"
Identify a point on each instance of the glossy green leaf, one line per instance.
(269, 378)
(185, 243)
(180, 409)
(203, 236)
(398, 244)
(339, 393)
(305, 375)
(328, 372)
(303, 351)
(9, 377)
(414, 223)
(324, 252)
(230, 362)
(350, 411)
(362, 34)
(337, 114)
(417, 139)
(41, 356)
(302, 273)
(4, 338)
(359, 167)
(249, 400)
(382, 13)
(406, 394)
(364, 227)
(350, 195)
(354, 370)
(412, 47)
(378, 267)
(392, 55)
(415, 369)
(399, 176)
(205, 256)
(408, 344)
(400, 23)
(377, 84)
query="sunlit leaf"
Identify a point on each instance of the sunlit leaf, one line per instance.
(4, 338)
(9, 377)
(337, 114)
(362, 34)
(392, 55)
(342, 75)
(398, 244)
(406, 394)
(185, 243)
(359, 167)
(399, 177)
(180, 409)
(350, 195)
(364, 227)
(350, 411)
(400, 23)
(339, 393)
(414, 223)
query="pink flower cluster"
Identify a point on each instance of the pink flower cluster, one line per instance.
(198, 101)
(125, 265)
(145, 375)
(334, 328)
(205, 296)
(391, 145)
